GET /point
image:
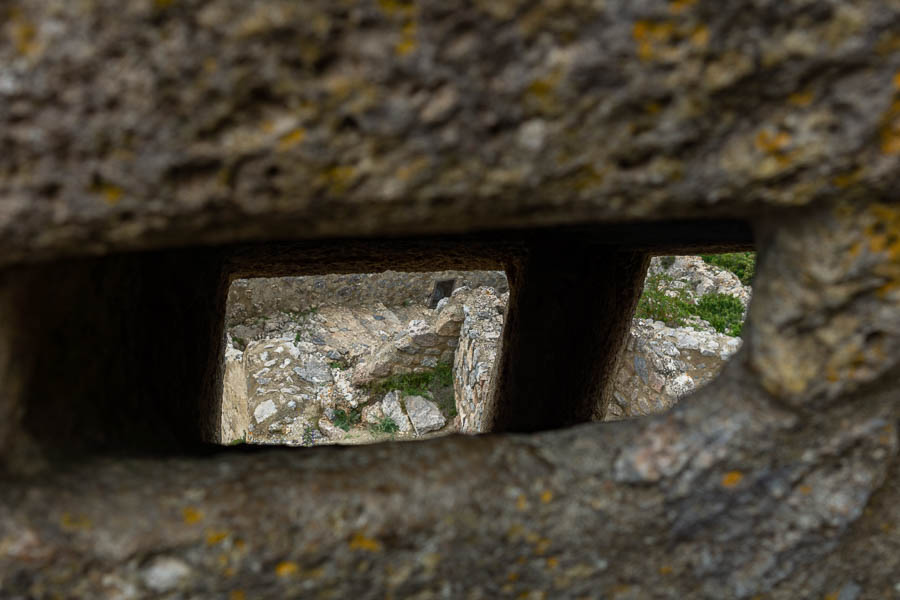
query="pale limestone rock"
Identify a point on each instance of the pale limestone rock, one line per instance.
(424, 414)
(391, 407)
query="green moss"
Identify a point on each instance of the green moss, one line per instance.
(742, 264)
(346, 420)
(724, 312)
(436, 383)
(385, 425)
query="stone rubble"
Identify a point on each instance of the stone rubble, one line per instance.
(424, 415)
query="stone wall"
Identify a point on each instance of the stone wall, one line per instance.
(249, 299)
(473, 364)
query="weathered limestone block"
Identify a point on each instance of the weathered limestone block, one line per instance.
(130, 125)
(424, 415)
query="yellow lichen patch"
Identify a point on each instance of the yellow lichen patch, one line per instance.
(407, 41)
(408, 171)
(546, 496)
(542, 93)
(896, 81)
(163, 3)
(71, 522)
(648, 35)
(24, 37)
(588, 178)
(521, 503)
(191, 515)
(213, 537)
(803, 98)
(512, 576)
(396, 7)
(542, 546)
(700, 36)
(832, 596)
(769, 142)
(237, 595)
(805, 490)
(360, 541)
(652, 108)
(663, 40)
(286, 568)
(890, 129)
(291, 139)
(845, 180)
(665, 570)
(552, 562)
(732, 479)
(676, 7)
(111, 194)
(337, 178)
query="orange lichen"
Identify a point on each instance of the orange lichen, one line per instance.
(396, 7)
(890, 129)
(286, 568)
(769, 142)
(521, 503)
(552, 562)
(665, 570)
(71, 522)
(732, 479)
(24, 37)
(546, 496)
(291, 139)
(803, 98)
(213, 537)
(237, 595)
(407, 41)
(676, 7)
(700, 36)
(191, 515)
(847, 179)
(360, 541)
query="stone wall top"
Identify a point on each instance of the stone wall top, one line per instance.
(140, 124)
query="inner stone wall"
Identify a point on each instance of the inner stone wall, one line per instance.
(251, 298)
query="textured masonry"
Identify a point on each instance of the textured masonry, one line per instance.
(156, 150)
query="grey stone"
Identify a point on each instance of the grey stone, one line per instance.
(391, 407)
(424, 414)
(314, 370)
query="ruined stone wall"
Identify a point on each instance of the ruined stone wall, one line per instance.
(249, 299)
(473, 364)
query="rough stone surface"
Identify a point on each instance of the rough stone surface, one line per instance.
(424, 414)
(197, 124)
(385, 118)
(251, 299)
(235, 407)
(474, 360)
(660, 364)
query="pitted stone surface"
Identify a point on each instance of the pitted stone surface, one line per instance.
(151, 125)
(425, 117)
